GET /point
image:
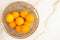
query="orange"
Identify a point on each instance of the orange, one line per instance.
(9, 17)
(27, 23)
(23, 13)
(19, 21)
(12, 24)
(25, 29)
(30, 17)
(15, 14)
(18, 29)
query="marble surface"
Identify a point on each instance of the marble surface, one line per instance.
(49, 25)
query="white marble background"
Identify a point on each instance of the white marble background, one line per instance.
(49, 30)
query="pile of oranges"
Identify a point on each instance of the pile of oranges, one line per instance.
(20, 21)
